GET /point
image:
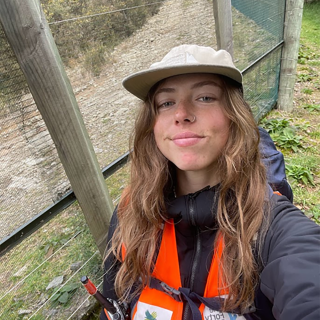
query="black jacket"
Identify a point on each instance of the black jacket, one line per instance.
(290, 279)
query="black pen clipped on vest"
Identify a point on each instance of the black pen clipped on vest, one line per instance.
(113, 309)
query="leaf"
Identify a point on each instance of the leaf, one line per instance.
(70, 287)
(316, 212)
(64, 298)
(304, 180)
(310, 178)
(288, 132)
(56, 296)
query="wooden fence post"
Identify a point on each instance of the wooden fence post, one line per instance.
(290, 51)
(223, 24)
(30, 38)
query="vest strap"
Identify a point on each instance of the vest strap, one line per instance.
(162, 286)
(188, 297)
(192, 298)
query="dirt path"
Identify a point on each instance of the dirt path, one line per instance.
(32, 176)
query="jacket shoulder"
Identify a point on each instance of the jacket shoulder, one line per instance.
(291, 255)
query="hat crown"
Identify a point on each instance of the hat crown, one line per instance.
(193, 54)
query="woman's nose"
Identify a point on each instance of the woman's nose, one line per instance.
(184, 112)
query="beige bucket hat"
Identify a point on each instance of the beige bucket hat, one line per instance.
(182, 60)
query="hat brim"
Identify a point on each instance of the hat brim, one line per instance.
(141, 82)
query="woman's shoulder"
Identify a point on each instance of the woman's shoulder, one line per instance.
(282, 210)
(290, 230)
(287, 217)
(290, 254)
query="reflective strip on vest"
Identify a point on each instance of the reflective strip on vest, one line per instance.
(154, 304)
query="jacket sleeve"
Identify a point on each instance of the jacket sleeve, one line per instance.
(111, 266)
(291, 253)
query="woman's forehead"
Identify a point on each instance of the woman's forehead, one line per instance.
(190, 79)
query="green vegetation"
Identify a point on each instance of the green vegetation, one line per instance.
(65, 294)
(300, 173)
(285, 136)
(306, 54)
(311, 25)
(95, 60)
(297, 134)
(302, 77)
(299, 141)
(32, 265)
(47, 254)
(311, 107)
(283, 133)
(307, 91)
(315, 212)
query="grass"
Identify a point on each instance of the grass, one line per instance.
(48, 253)
(27, 270)
(310, 29)
(303, 161)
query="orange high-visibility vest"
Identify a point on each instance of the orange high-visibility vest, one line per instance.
(155, 304)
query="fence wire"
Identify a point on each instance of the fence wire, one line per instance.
(100, 42)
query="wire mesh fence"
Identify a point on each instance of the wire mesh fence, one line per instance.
(100, 42)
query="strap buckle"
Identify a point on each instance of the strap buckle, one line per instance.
(174, 293)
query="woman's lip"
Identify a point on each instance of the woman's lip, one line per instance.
(186, 139)
(185, 135)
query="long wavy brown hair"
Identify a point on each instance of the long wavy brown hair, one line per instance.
(240, 213)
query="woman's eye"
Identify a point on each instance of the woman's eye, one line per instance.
(206, 99)
(165, 104)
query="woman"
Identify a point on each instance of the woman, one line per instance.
(198, 234)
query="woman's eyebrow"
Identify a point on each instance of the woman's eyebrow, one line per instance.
(165, 90)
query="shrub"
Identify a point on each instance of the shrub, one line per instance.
(300, 173)
(95, 59)
(283, 133)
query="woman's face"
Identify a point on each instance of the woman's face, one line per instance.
(191, 128)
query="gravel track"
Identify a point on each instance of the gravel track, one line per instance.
(32, 176)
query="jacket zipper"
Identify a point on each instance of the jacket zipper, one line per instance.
(196, 258)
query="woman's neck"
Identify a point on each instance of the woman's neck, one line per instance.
(192, 181)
